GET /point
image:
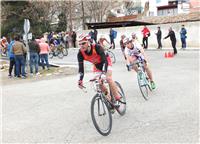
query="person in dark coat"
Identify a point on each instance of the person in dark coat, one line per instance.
(159, 36)
(183, 33)
(112, 37)
(172, 36)
(95, 35)
(74, 38)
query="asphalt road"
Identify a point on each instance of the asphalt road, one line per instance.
(56, 111)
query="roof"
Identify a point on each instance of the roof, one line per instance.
(194, 16)
(116, 24)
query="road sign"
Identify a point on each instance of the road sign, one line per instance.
(26, 26)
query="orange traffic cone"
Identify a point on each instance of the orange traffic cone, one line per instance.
(166, 56)
(169, 55)
(172, 54)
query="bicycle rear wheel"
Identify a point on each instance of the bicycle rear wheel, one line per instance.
(112, 56)
(51, 55)
(101, 116)
(60, 55)
(122, 102)
(65, 52)
(143, 85)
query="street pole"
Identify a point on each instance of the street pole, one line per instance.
(26, 30)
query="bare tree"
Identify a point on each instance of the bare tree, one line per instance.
(97, 9)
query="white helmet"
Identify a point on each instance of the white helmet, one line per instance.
(127, 39)
(133, 34)
(83, 38)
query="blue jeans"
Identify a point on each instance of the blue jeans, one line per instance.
(20, 61)
(34, 57)
(183, 41)
(44, 57)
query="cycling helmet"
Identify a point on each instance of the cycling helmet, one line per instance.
(126, 40)
(123, 36)
(133, 34)
(83, 38)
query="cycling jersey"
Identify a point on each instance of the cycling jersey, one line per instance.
(135, 51)
(96, 56)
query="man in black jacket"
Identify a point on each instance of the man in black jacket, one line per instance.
(172, 36)
(159, 36)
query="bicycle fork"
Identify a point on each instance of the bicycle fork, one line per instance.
(100, 102)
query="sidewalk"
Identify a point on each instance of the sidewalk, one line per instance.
(54, 72)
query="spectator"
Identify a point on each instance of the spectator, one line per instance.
(183, 33)
(113, 35)
(91, 34)
(74, 39)
(172, 36)
(122, 45)
(95, 35)
(50, 36)
(146, 34)
(12, 59)
(66, 40)
(34, 50)
(44, 50)
(19, 51)
(159, 36)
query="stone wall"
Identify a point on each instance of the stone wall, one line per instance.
(193, 33)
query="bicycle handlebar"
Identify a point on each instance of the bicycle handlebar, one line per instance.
(95, 79)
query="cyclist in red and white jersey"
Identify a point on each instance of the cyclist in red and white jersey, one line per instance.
(94, 53)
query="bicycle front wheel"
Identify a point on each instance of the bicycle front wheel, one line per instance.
(143, 85)
(101, 116)
(122, 102)
(112, 56)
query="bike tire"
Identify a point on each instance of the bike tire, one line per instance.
(60, 55)
(97, 98)
(122, 108)
(143, 85)
(50, 55)
(65, 52)
(112, 56)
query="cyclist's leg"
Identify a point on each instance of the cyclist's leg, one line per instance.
(149, 73)
(112, 84)
(133, 60)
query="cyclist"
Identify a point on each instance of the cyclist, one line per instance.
(104, 43)
(4, 45)
(95, 54)
(133, 52)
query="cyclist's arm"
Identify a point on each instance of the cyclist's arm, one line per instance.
(128, 61)
(80, 65)
(143, 53)
(104, 61)
(140, 47)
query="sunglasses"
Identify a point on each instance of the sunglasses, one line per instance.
(82, 43)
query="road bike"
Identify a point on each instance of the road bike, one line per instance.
(102, 106)
(142, 78)
(59, 51)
